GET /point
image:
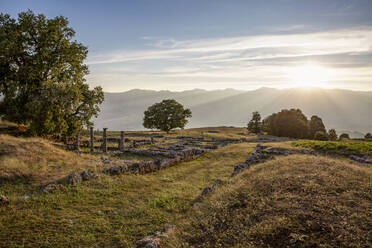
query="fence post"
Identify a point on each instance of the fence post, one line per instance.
(77, 143)
(121, 141)
(91, 143)
(104, 140)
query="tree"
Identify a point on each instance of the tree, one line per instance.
(287, 123)
(166, 115)
(255, 124)
(316, 125)
(320, 135)
(42, 76)
(332, 134)
(344, 136)
(368, 136)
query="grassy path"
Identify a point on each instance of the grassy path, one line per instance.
(115, 211)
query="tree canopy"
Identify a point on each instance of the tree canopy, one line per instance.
(316, 125)
(255, 124)
(42, 76)
(332, 134)
(344, 136)
(287, 123)
(166, 115)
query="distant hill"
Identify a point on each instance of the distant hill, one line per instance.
(339, 109)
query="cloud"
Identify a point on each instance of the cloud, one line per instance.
(260, 58)
(248, 47)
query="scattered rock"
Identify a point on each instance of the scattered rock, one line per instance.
(216, 182)
(205, 191)
(24, 198)
(363, 160)
(73, 178)
(115, 170)
(196, 205)
(262, 153)
(3, 200)
(87, 175)
(51, 187)
(153, 241)
(105, 160)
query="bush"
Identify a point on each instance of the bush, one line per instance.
(332, 134)
(344, 136)
(320, 135)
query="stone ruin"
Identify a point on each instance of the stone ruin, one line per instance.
(263, 153)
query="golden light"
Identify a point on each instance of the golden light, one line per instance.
(309, 76)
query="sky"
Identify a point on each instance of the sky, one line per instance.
(185, 44)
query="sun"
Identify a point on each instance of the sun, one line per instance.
(309, 76)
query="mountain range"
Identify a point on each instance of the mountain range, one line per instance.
(345, 110)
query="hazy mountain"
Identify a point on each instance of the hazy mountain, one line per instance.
(339, 109)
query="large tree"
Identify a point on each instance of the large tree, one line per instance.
(255, 124)
(287, 123)
(42, 76)
(166, 115)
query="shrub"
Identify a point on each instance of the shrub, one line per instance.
(320, 135)
(332, 134)
(344, 136)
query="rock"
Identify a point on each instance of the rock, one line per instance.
(167, 229)
(115, 170)
(196, 205)
(216, 182)
(51, 187)
(3, 200)
(147, 242)
(73, 178)
(154, 240)
(24, 198)
(87, 175)
(206, 191)
(364, 160)
(105, 160)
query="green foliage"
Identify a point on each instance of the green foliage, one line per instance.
(320, 135)
(42, 76)
(332, 134)
(316, 125)
(287, 123)
(344, 136)
(358, 147)
(255, 124)
(368, 136)
(166, 115)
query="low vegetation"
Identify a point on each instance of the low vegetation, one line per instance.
(299, 201)
(106, 212)
(295, 201)
(342, 147)
(37, 161)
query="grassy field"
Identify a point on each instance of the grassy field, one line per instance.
(107, 212)
(358, 147)
(295, 201)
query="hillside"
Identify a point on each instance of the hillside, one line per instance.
(295, 201)
(340, 109)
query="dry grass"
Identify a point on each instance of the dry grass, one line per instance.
(37, 160)
(112, 211)
(295, 201)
